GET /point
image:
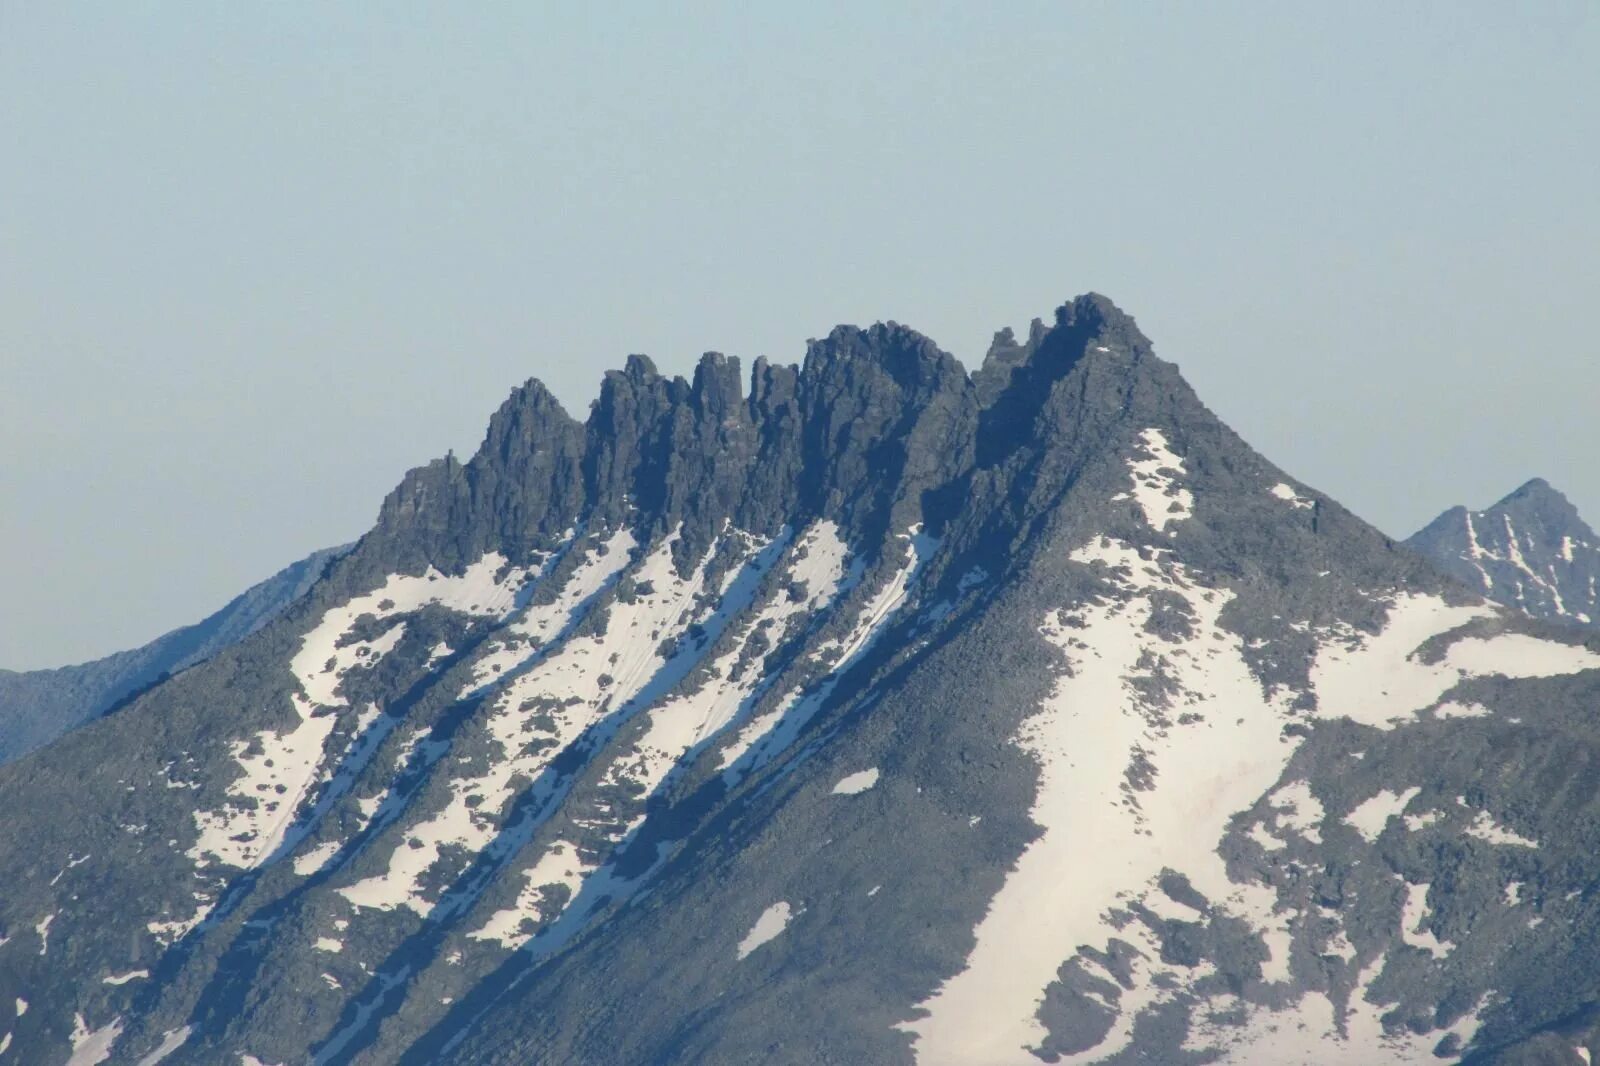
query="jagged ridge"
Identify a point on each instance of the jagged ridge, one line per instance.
(736, 728)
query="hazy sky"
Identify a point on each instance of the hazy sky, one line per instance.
(256, 260)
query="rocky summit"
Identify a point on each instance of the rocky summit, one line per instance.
(863, 711)
(1530, 551)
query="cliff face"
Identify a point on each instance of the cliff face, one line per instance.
(877, 713)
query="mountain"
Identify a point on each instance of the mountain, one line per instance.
(876, 712)
(1530, 551)
(36, 706)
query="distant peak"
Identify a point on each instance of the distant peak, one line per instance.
(1095, 313)
(1087, 326)
(639, 368)
(904, 354)
(1532, 488)
(717, 384)
(1090, 304)
(1535, 491)
(1538, 500)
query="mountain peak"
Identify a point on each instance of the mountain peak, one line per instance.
(908, 357)
(737, 708)
(1537, 499)
(1531, 550)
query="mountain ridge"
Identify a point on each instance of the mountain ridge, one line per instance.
(735, 727)
(36, 706)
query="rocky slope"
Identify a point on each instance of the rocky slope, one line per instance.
(36, 706)
(1530, 551)
(881, 713)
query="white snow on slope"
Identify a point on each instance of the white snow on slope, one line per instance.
(1107, 836)
(590, 686)
(773, 921)
(1101, 836)
(682, 724)
(548, 885)
(90, 1047)
(280, 768)
(1379, 680)
(1155, 482)
(1307, 1032)
(470, 818)
(768, 735)
(1528, 582)
(1476, 553)
(817, 566)
(1455, 709)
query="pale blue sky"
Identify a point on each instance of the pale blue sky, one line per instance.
(258, 259)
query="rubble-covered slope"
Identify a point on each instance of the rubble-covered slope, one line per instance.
(881, 713)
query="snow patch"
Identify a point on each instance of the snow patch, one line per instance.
(856, 783)
(1371, 816)
(124, 978)
(773, 921)
(549, 883)
(1455, 709)
(171, 1041)
(90, 1047)
(1414, 919)
(1285, 492)
(1155, 485)
(170, 932)
(682, 724)
(312, 860)
(1298, 810)
(1308, 1032)
(768, 735)
(1485, 828)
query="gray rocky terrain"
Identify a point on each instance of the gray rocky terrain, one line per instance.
(865, 711)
